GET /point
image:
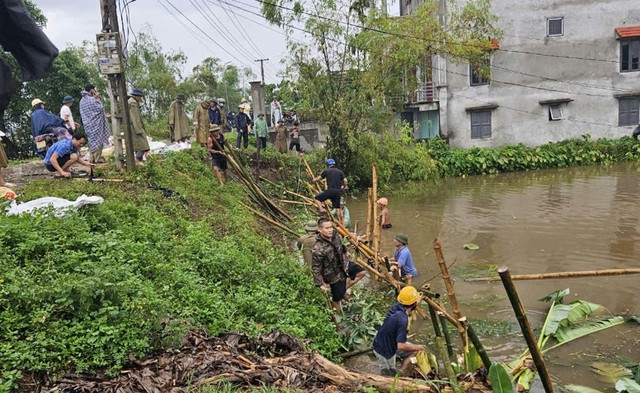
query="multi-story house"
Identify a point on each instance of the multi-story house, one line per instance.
(562, 69)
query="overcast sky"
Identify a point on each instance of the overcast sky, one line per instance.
(72, 21)
(242, 37)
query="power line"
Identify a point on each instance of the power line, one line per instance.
(186, 27)
(433, 40)
(502, 68)
(236, 23)
(205, 33)
(219, 4)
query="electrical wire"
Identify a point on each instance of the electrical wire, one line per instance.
(206, 34)
(186, 27)
(463, 74)
(502, 82)
(365, 28)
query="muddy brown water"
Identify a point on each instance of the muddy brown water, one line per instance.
(533, 222)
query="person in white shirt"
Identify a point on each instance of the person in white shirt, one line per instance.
(66, 115)
(276, 111)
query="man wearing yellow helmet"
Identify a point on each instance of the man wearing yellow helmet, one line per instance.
(391, 340)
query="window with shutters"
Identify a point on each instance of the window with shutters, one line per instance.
(555, 112)
(555, 26)
(481, 124)
(628, 111)
(630, 55)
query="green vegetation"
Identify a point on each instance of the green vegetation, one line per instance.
(130, 276)
(477, 161)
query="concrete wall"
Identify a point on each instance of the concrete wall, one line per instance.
(313, 135)
(562, 74)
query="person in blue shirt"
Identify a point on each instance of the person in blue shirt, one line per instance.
(402, 258)
(391, 340)
(65, 153)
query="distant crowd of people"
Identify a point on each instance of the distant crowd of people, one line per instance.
(57, 138)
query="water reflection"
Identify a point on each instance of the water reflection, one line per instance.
(545, 221)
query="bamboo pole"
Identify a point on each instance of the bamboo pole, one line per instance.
(576, 274)
(269, 220)
(527, 332)
(310, 172)
(476, 343)
(445, 333)
(434, 321)
(369, 227)
(444, 270)
(304, 198)
(295, 202)
(365, 265)
(444, 355)
(351, 354)
(374, 199)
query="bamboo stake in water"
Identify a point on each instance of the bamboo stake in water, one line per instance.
(527, 332)
(374, 203)
(542, 276)
(444, 270)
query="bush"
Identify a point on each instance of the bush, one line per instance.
(128, 277)
(476, 161)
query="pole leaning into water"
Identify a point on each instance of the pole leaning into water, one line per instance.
(548, 276)
(527, 332)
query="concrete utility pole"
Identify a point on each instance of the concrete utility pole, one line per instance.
(262, 68)
(117, 82)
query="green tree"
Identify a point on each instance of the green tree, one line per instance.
(156, 72)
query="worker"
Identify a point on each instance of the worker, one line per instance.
(391, 339)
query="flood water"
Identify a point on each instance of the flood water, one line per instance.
(533, 222)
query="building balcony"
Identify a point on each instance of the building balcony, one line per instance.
(425, 93)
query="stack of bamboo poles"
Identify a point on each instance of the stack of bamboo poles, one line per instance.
(275, 215)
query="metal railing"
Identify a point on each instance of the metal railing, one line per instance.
(426, 92)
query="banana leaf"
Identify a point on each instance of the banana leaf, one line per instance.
(627, 385)
(472, 359)
(555, 296)
(569, 333)
(581, 310)
(500, 380)
(580, 389)
(557, 314)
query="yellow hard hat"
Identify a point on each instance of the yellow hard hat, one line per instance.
(36, 102)
(408, 295)
(243, 99)
(383, 201)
